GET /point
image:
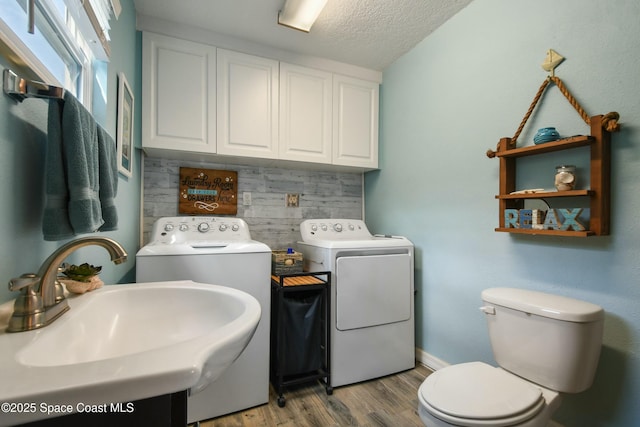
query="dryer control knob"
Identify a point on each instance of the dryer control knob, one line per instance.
(235, 227)
(168, 227)
(203, 227)
(337, 227)
(183, 227)
(222, 227)
(314, 227)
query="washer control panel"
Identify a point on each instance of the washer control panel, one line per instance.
(334, 229)
(181, 229)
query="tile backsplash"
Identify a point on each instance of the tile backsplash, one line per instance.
(322, 194)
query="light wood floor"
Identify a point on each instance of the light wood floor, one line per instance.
(390, 401)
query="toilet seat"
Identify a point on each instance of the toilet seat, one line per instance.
(477, 394)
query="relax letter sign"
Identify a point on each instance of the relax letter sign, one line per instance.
(552, 219)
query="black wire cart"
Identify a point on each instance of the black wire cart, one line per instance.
(300, 314)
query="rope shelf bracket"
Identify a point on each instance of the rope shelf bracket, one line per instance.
(609, 120)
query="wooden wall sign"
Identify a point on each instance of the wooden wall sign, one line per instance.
(208, 192)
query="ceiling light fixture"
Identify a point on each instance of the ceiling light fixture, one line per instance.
(300, 14)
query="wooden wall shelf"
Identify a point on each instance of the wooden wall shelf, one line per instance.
(548, 147)
(531, 231)
(599, 180)
(546, 194)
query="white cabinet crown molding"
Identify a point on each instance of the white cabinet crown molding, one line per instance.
(174, 29)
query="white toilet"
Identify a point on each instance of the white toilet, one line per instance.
(544, 344)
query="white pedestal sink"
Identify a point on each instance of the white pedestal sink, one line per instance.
(123, 343)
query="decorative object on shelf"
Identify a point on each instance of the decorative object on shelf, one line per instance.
(81, 278)
(565, 179)
(529, 191)
(207, 191)
(546, 135)
(536, 219)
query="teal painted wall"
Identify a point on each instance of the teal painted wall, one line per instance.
(22, 155)
(454, 96)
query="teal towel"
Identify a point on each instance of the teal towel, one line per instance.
(108, 176)
(55, 224)
(72, 171)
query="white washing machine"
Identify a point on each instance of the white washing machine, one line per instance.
(372, 298)
(219, 251)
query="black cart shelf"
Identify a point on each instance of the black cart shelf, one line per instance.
(300, 307)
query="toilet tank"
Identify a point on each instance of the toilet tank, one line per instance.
(550, 340)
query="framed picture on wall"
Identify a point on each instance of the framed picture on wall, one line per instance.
(124, 140)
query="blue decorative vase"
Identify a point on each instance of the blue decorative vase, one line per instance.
(545, 135)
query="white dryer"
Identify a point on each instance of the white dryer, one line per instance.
(372, 297)
(219, 251)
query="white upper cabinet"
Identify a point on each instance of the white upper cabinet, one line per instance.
(355, 122)
(247, 105)
(305, 114)
(178, 94)
(201, 100)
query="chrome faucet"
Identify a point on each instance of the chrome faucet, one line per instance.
(38, 309)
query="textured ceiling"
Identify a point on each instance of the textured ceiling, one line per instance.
(367, 33)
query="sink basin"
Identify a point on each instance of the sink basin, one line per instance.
(122, 322)
(126, 342)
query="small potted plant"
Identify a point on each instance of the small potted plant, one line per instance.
(81, 278)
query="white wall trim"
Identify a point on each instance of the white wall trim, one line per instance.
(429, 360)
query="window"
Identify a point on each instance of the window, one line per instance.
(65, 48)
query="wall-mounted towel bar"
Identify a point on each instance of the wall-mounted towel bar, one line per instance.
(20, 88)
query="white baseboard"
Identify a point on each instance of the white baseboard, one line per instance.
(429, 360)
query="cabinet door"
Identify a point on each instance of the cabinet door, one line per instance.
(178, 94)
(305, 114)
(355, 122)
(247, 105)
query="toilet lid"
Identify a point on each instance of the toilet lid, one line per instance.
(477, 391)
